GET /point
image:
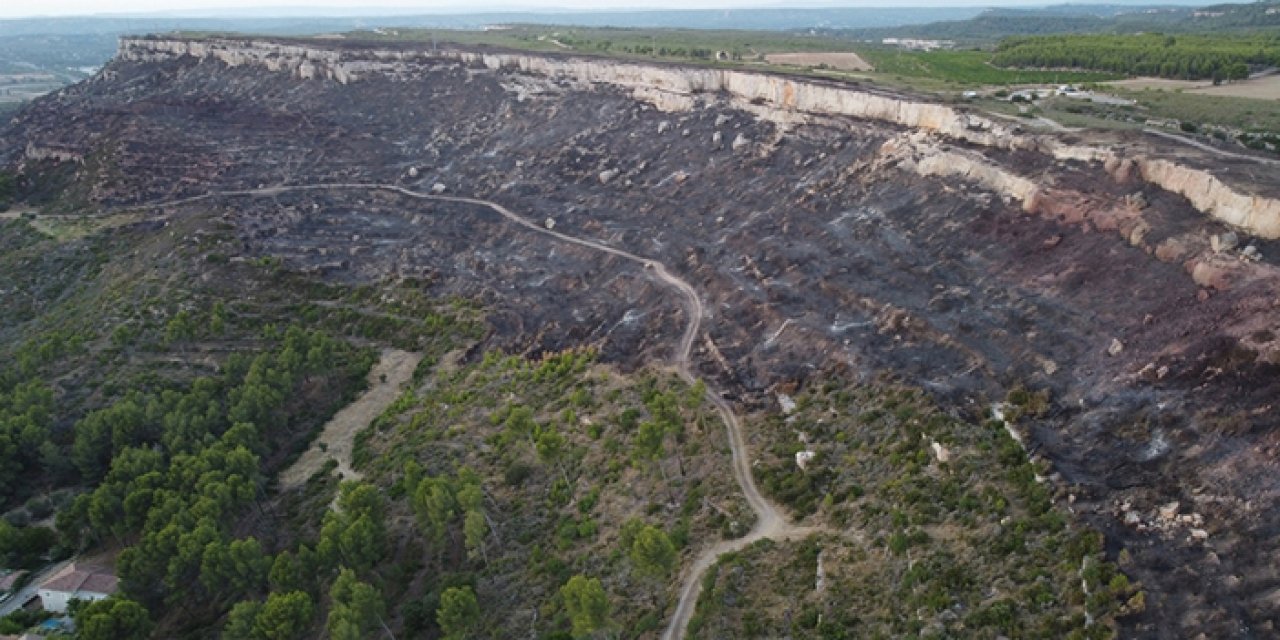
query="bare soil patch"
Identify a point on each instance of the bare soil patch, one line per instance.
(1138, 84)
(1264, 88)
(844, 61)
(337, 439)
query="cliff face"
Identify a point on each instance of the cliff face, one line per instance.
(776, 98)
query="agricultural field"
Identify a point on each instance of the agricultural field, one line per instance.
(1224, 110)
(970, 68)
(839, 61)
(1264, 88)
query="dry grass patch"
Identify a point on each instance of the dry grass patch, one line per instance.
(843, 61)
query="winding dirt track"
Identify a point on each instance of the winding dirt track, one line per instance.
(770, 523)
(1210, 148)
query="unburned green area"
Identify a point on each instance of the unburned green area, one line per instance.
(965, 67)
(935, 527)
(1189, 57)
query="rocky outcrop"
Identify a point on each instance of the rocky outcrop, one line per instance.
(52, 152)
(781, 99)
(1257, 215)
(931, 161)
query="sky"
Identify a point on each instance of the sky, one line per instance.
(20, 8)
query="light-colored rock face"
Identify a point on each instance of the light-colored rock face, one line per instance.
(781, 100)
(34, 152)
(1257, 215)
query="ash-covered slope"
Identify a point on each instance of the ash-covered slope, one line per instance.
(826, 228)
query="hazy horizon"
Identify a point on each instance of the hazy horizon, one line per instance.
(329, 8)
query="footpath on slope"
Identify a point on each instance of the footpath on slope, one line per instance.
(770, 523)
(337, 439)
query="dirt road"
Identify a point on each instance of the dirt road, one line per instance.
(338, 437)
(341, 431)
(1206, 147)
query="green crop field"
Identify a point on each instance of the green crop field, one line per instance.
(965, 67)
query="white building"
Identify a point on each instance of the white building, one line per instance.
(76, 583)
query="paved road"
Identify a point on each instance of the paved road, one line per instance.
(770, 523)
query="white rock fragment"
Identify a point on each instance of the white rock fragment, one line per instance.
(803, 458)
(1116, 347)
(413, 172)
(549, 223)
(717, 139)
(607, 175)
(1170, 511)
(740, 142)
(721, 120)
(663, 127)
(940, 452)
(1222, 242)
(787, 403)
(438, 188)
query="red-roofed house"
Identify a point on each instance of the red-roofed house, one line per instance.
(76, 583)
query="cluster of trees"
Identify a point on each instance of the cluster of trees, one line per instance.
(7, 187)
(1190, 57)
(666, 50)
(24, 547)
(665, 426)
(175, 469)
(440, 501)
(26, 412)
(504, 490)
(112, 619)
(27, 447)
(351, 545)
(876, 469)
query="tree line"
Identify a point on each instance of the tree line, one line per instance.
(1187, 57)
